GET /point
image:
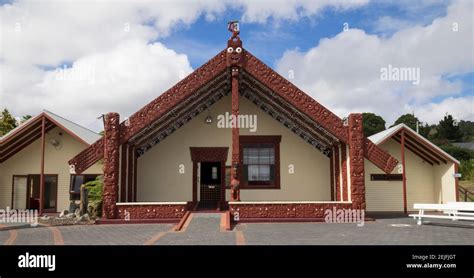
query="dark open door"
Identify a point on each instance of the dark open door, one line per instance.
(50, 192)
(210, 188)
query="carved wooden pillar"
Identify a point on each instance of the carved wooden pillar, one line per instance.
(356, 155)
(337, 174)
(235, 60)
(235, 191)
(111, 165)
(344, 193)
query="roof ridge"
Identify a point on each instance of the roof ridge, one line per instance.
(76, 124)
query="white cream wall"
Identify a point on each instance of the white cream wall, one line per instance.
(383, 195)
(425, 183)
(159, 179)
(420, 180)
(445, 189)
(28, 161)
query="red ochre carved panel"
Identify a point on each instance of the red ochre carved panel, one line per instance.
(151, 211)
(356, 160)
(379, 157)
(282, 211)
(208, 154)
(111, 165)
(88, 156)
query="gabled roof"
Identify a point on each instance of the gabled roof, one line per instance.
(192, 86)
(29, 131)
(424, 148)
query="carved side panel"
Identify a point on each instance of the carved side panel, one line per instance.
(345, 196)
(379, 157)
(337, 173)
(296, 97)
(282, 211)
(151, 211)
(88, 156)
(111, 165)
(356, 160)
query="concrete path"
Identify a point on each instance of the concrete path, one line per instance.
(207, 229)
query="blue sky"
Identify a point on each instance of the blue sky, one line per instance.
(270, 40)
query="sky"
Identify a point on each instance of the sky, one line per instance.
(84, 59)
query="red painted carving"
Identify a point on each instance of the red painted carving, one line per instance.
(281, 211)
(111, 165)
(345, 196)
(337, 173)
(88, 156)
(209, 154)
(130, 212)
(379, 157)
(235, 50)
(356, 160)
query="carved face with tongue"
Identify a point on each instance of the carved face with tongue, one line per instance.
(235, 52)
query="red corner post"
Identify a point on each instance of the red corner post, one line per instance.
(111, 165)
(356, 154)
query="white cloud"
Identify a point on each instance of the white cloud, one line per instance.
(106, 41)
(122, 80)
(343, 72)
(52, 32)
(462, 108)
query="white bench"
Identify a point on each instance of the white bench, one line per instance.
(452, 210)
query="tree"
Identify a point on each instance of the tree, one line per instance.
(448, 129)
(410, 120)
(457, 152)
(372, 124)
(467, 129)
(7, 122)
(25, 118)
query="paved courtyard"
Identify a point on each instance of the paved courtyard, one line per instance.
(205, 229)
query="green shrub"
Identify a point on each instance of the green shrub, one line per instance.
(457, 152)
(95, 188)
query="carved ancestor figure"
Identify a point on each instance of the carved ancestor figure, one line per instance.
(235, 56)
(235, 59)
(234, 185)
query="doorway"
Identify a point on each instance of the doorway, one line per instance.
(209, 177)
(26, 192)
(210, 187)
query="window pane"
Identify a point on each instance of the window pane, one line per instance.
(264, 156)
(246, 156)
(253, 156)
(78, 181)
(253, 173)
(264, 172)
(272, 156)
(214, 173)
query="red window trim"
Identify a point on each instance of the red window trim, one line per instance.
(260, 139)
